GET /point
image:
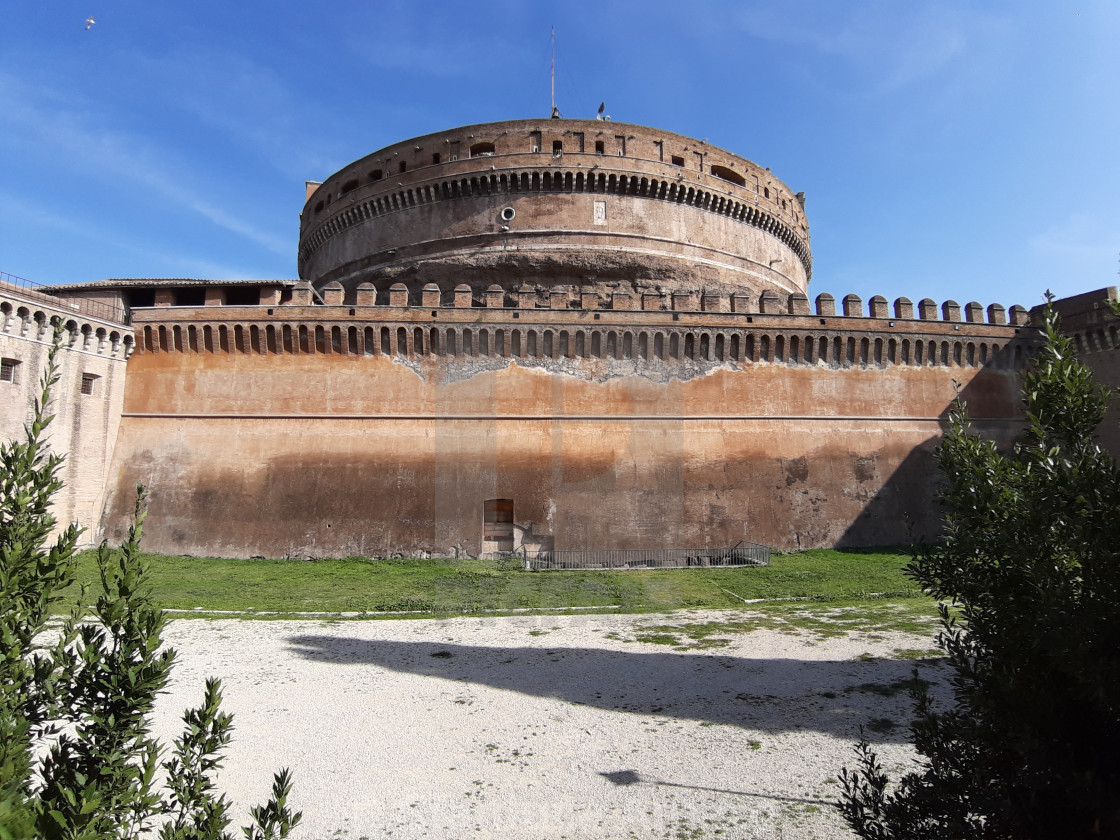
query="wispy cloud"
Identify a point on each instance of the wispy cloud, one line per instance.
(60, 126)
(1080, 240)
(17, 211)
(895, 45)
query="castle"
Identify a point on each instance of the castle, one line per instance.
(548, 333)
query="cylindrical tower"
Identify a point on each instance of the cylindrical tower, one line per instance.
(556, 202)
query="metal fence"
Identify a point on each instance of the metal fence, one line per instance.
(80, 305)
(743, 554)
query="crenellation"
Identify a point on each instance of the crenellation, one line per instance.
(463, 296)
(852, 306)
(927, 309)
(878, 307)
(398, 295)
(798, 304)
(903, 309)
(826, 305)
(950, 311)
(996, 314)
(974, 313)
(770, 304)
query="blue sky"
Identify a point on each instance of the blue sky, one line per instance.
(964, 150)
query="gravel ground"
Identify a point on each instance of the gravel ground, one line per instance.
(544, 726)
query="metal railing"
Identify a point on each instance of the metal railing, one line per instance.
(743, 554)
(83, 306)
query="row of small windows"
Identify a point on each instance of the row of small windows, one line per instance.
(10, 372)
(556, 344)
(487, 149)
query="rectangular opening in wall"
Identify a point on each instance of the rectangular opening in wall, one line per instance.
(9, 369)
(140, 297)
(600, 149)
(557, 148)
(678, 160)
(435, 158)
(88, 380)
(620, 144)
(403, 167)
(242, 296)
(192, 296)
(534, 141)
(498, 524)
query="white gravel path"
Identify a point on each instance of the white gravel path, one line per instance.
(542, 726)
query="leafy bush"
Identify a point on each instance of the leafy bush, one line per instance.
(1030, 747)
(77, 759)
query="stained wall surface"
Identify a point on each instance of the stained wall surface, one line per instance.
(326, 431)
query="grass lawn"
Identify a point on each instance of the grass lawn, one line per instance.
(842, 579)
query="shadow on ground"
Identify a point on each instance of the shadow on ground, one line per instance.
(764, 695)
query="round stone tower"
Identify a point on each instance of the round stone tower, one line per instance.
(599, 205)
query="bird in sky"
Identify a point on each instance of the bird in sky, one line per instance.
(90, 22)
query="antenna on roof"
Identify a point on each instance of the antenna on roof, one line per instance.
(555, 111)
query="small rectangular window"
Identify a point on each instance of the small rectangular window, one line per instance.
(557, 148)
(8, 370)
(599, 148)
(87, 382)
(404, 166)
(376, 175)
(435, 158)
(678, 160)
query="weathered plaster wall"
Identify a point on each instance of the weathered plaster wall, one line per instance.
(323, 451)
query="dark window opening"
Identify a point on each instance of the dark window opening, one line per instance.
(557, 148)
(349, 186)
(728, 175)
(87, 382)
(141, 297)
(498, 523)
(600, 149)
(237, 296)
(376, 175)
(403, 167)
(482, 149)
(195, 296)
(678, 160)
(766, 192)
(319, 207)
(435, 158)
(8, 370)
